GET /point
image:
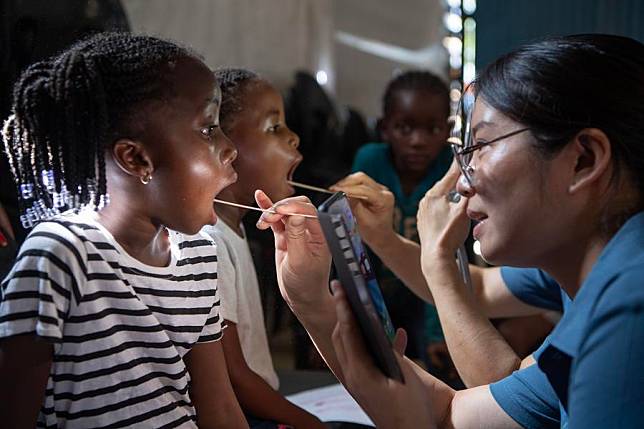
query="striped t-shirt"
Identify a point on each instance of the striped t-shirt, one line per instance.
(119, 328)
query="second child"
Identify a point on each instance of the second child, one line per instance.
(252, 116)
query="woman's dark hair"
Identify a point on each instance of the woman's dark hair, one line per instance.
(415, 80)
(559, 86)
(68, 109)
(232, 82)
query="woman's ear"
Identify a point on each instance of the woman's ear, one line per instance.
(593, 156)
(132, 158)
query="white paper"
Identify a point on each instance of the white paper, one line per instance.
(331, 404)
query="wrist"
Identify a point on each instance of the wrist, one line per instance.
(308, 303)
(382, 241)
(436, 261)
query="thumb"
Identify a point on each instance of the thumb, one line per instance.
(400, 341)
(295, 228)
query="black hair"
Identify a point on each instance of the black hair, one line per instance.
(417, 80)
(232, 82)
(559, 86)
(68, 109)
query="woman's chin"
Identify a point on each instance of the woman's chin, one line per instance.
(490, 254)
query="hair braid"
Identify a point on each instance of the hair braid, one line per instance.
(69, 109)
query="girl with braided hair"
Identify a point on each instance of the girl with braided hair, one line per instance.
(252, 116)
(110, 315)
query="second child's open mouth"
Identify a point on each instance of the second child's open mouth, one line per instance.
(291, 171)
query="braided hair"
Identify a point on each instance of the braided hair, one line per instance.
(68, 109)
(232, 82)
(415, 80)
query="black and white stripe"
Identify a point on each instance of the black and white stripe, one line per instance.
(119, 328)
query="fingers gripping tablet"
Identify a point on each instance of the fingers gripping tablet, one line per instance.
(358, 279)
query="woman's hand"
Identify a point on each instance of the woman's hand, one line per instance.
(442, 224)
(302, 258)
(389, 403)
(374, 210)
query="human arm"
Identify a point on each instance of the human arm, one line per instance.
(210, 388)
(34, 299)
(303, 263)
(480, 353)
(402, 256)
(422, 401)
(25, 362)
(255, 395)
(374, 212)
(442, 227)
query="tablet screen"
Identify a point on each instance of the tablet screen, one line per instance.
(356, 257)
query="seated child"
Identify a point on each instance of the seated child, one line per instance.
(110, 315)
(411, 158)
(252, 116)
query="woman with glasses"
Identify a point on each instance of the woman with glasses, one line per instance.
(553, 177)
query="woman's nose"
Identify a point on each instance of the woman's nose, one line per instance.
(464, 187)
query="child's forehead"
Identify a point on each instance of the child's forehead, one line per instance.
(407, 101)
(195, 86)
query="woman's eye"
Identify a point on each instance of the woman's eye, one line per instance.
(274, 128)
(481, 145)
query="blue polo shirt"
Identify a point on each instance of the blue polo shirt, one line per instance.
(592, 364)
(535, 287)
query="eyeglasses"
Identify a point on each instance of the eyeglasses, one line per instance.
(463, 152)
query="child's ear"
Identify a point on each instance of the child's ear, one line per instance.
(132, 158)
(592, 154)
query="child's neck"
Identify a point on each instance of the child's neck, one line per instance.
(141, 239)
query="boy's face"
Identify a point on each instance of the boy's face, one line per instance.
(267, 148)
(416, 128)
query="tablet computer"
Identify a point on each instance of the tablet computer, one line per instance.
(359, 281)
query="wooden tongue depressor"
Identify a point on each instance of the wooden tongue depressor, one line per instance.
(326, 191)
(263, 210)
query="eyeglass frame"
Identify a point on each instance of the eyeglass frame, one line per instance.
(460, 150)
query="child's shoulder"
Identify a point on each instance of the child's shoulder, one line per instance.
(375, 150)
(374, 159)
(66, 229)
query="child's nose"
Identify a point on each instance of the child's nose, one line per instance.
(294, 140)
(419, 138)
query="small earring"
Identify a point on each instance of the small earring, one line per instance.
(146, 179)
